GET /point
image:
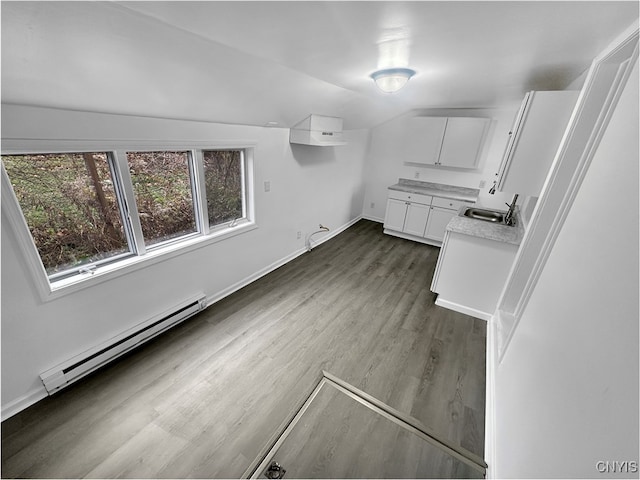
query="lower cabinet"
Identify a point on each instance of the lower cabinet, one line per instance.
(396, 212)
(442, 211)
(471, 272)
(422, 218)
(407, 213)
(415, 221)
(437, 223)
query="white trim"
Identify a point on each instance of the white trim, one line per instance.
(216, 297)
(373, 219)
(572, 160)
(20, 229)
(490, 443)
(134, 263)
(415, 238)
(123, 173)
(23, 402)
(339, 230)
(505, 329)
(456, 307)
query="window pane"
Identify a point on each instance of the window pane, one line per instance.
(70, 205)
(162, 185)
(223, 181)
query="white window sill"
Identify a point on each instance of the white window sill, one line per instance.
(113, 270)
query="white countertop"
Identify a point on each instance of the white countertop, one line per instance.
(490, 231)
(436, 190)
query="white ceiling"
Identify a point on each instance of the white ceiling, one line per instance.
(258, 62)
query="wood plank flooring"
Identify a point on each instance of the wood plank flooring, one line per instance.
(203, 399)
(341, 435)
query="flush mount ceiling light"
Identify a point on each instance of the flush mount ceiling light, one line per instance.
(391, 80)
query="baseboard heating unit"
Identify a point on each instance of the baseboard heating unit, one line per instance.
(81, 365)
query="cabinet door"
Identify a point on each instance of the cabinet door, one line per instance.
(423, 139)
(463, 140)
(534, 141)
(471, 272)
(437, 224)
(415, 221)
(396, 211)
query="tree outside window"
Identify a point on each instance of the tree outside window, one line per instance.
(70, 205)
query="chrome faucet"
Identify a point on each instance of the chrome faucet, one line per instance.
(509, 219)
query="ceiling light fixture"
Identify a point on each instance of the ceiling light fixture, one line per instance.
(390, 80)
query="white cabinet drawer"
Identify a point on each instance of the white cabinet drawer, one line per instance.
(410, 197)
(448, 203)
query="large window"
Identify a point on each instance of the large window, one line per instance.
(71, 207)
(89, 211)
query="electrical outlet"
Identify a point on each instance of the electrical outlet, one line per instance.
(373, 205)
(416, 175)
(299, 235)
(482, 183)
(267, 186)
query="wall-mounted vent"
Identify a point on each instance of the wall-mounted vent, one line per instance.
(317, 130)
(81, 365)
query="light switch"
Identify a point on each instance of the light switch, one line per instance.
(267, 186)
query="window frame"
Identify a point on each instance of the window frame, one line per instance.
(142, 246)
(124, 218)
(50, 288)
(205, 207)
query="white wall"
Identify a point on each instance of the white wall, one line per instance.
(384, 166)
(309, 185)
(567, 388)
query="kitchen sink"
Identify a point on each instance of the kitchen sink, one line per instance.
(486, 215)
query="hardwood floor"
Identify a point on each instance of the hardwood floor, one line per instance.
(203, 399)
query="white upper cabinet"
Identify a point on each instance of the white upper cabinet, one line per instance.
(534, 140)
(423, 139)
(445, 141)
(463, 142)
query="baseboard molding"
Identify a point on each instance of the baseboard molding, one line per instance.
(216, 297)
(463, 309)
(373, 219)
(415, 238)
(19, 404)
(337, 231)
(490, 400)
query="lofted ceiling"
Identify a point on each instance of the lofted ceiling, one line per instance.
(259, 62)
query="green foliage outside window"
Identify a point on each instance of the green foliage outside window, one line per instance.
(70, 203)
(70, 206)
(162, 184)
(223, 179)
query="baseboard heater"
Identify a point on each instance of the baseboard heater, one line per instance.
(83, 364)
